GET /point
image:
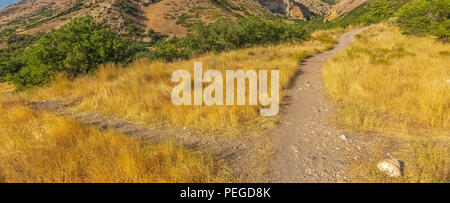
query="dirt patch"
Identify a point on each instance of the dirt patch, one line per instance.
(162, 17)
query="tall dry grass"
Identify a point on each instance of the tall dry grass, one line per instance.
(141, 92)
(6, 88)
(40, 147)
(398, 85)
(386, 79)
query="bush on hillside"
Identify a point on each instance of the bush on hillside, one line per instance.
(228, 35)
(379, 10)
(426, 16)
(10, 57)
(76, 48)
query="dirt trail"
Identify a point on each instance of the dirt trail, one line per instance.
(308, 147)
(221, 148)
(237, 153)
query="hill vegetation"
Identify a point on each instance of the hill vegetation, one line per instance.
(426, 16)
(76, 48)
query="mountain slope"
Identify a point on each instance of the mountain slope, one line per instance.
(344, 6)
(33, 16)
(172, 17)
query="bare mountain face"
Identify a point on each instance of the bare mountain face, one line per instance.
(171, 17)
(299, 9)
(306, 9)
(344, 6)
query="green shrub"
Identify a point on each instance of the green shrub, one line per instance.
(426, 16)
(227, 35)
(379, 10)
(11, 60)
(441, 29)
(76, 48)
(127, 6)
(156, 36)
(6, 32)
(9, 66)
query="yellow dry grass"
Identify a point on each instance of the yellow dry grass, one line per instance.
(6, 88)
(390, 80)
(141, 92)
(399, 86)
(40, 147)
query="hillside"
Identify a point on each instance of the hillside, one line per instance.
(34, 16)
(171, 17)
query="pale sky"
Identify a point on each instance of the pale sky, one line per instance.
(5, 3)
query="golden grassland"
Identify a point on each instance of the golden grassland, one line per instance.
(389, 75)
(141, 93)
(40, 147)
(6, 88)
(398, 85)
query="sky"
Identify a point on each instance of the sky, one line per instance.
(5, 3)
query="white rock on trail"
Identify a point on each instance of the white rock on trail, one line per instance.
(392, 167)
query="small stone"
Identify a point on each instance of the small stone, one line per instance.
(391, 167)
(343, 137)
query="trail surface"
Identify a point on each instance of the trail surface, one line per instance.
(309, 148)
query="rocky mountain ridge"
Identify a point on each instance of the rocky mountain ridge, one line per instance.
(171, 17)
